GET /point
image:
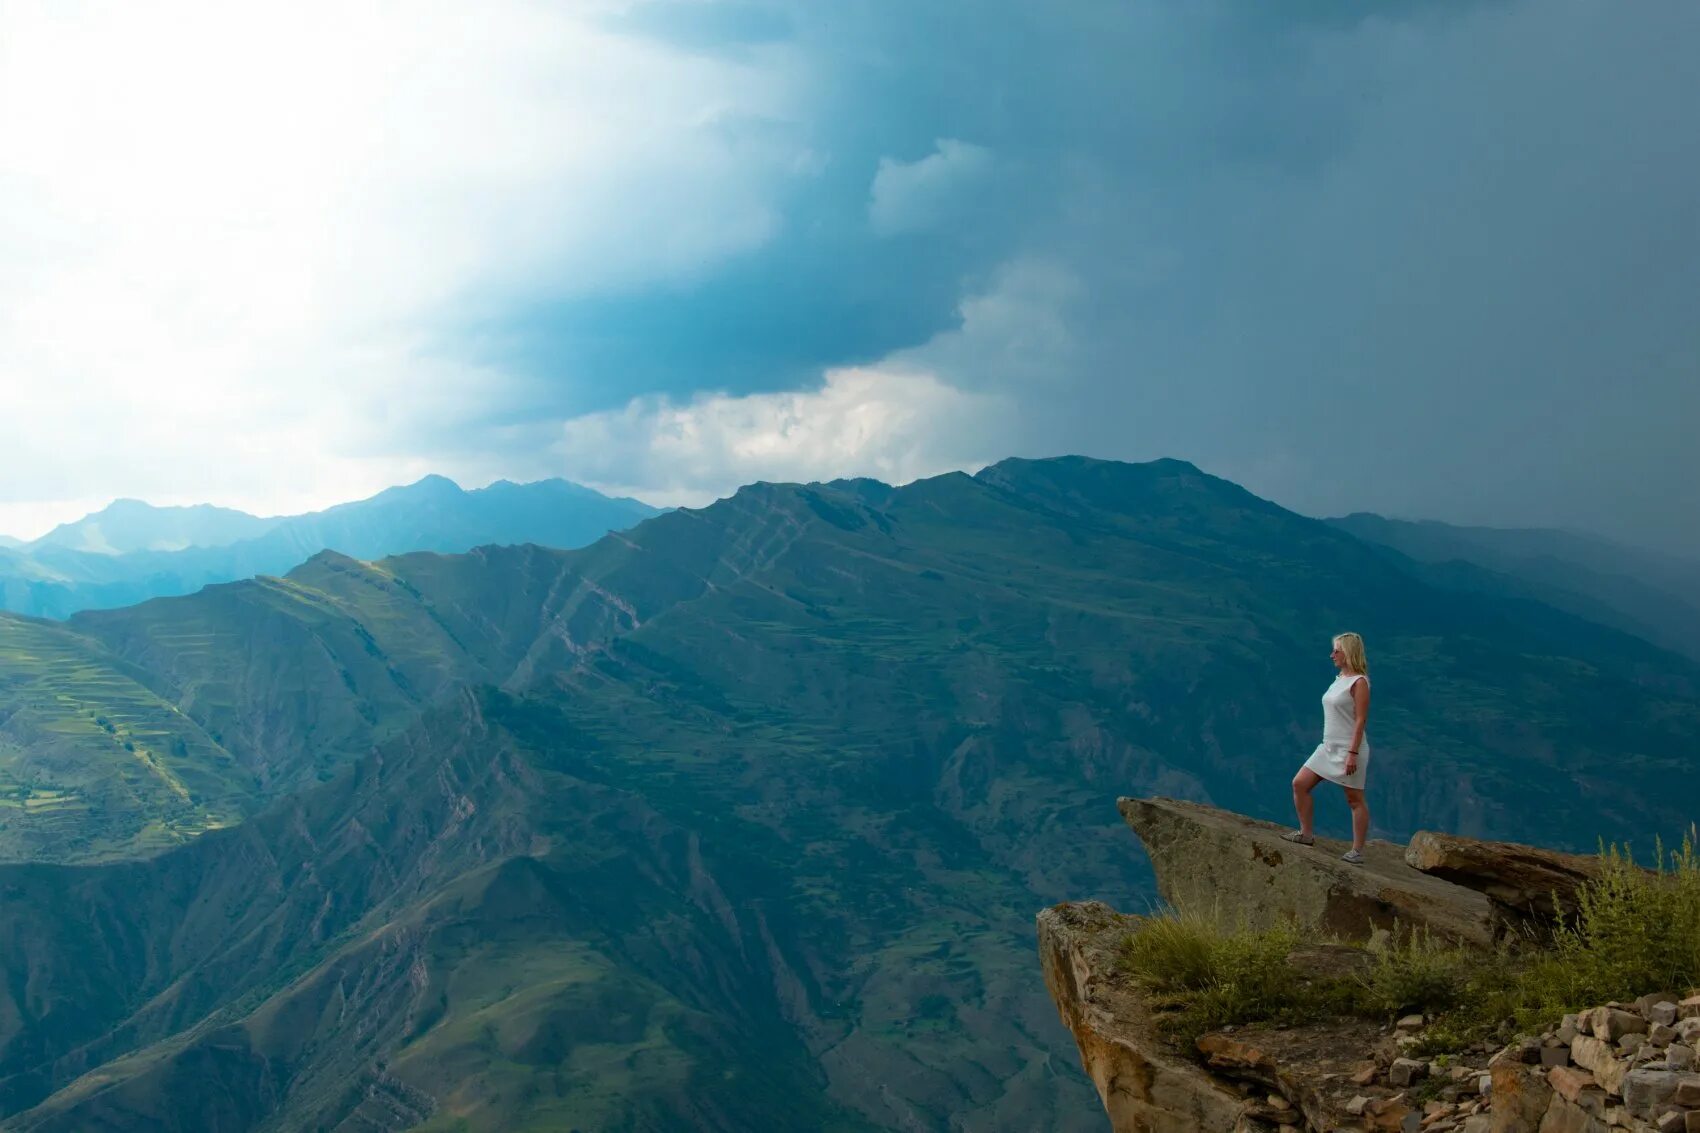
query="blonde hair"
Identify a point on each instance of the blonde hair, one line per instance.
(1353, 647)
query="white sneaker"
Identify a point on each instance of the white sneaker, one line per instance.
(1352, 856)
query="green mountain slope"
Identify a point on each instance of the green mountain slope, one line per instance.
(93, 764)
(1645, 593)
(753, 832)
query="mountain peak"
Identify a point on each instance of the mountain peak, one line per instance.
(433, 483)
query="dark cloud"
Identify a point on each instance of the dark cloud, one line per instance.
(1427, 259)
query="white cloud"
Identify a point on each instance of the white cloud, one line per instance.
(229, 236)
(914, 196)
(951, 403)
(861, 422)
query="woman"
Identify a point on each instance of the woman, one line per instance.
(1343, 756)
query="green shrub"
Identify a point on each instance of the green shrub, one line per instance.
(1208, 976)
(1635, 931)
(1417, 972)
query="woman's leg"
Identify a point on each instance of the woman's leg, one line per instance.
(1303, 784)
(1360, 816)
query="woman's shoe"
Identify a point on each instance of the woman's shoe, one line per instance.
(1354, 856)
(1300, 837)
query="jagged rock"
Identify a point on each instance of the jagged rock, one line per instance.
(1662, 1013)
(1611, 1024)
(1687, 1091)
(1405, 1071)
(1213, 859)
(1679, 1057)
(1521, 1098)
(1594, 1056)
(1143, 1086)
(1564, 1116)
(1521, 878)
(1644, 1089)
(1569, 1083)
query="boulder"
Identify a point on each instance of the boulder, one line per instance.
(1645, 1089)
(1600, 1059)
(1524, 879)
(1214, 860)
(1521, 1097)
(1564, 1116)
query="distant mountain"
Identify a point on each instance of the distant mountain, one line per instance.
(8, 541)
(131, 525)
(58, 575)
(735, 820)
(1652, 595)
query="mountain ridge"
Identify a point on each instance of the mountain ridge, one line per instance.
(54, 578)
(800, 765)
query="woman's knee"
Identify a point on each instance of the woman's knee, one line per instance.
(1355, 799)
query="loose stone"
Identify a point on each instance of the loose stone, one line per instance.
(1405, 1071)
(1644, 1089)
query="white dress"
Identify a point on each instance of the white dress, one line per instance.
(1339, 720)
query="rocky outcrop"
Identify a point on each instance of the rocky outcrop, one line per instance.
(1523, 880)
(1207, 858)
(1619, 1068)
(1143, 1084)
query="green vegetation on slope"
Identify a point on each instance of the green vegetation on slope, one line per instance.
(793, 771)
(94, 765)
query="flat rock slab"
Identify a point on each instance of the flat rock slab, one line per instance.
(1238, 868)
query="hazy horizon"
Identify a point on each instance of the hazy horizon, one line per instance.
(694, 500)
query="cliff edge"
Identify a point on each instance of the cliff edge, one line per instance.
(1623, 1067)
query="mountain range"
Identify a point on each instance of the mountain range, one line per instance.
(131, 551)
(738, 818)
(1649, 594)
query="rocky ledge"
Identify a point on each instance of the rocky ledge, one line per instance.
(1623, 1067)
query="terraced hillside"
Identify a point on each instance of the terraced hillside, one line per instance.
(748, 823)
(93, 764)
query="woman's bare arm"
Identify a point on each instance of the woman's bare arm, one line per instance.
(1360, 698)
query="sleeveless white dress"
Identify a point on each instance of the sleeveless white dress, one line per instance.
(1339, 720)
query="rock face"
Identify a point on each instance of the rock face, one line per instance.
(1522, 879)
(1617, 1068)
(1208, 858)
(1143, 1085)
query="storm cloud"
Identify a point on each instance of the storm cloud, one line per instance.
(1425, 259)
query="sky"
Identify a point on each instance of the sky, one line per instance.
(1429, 259)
